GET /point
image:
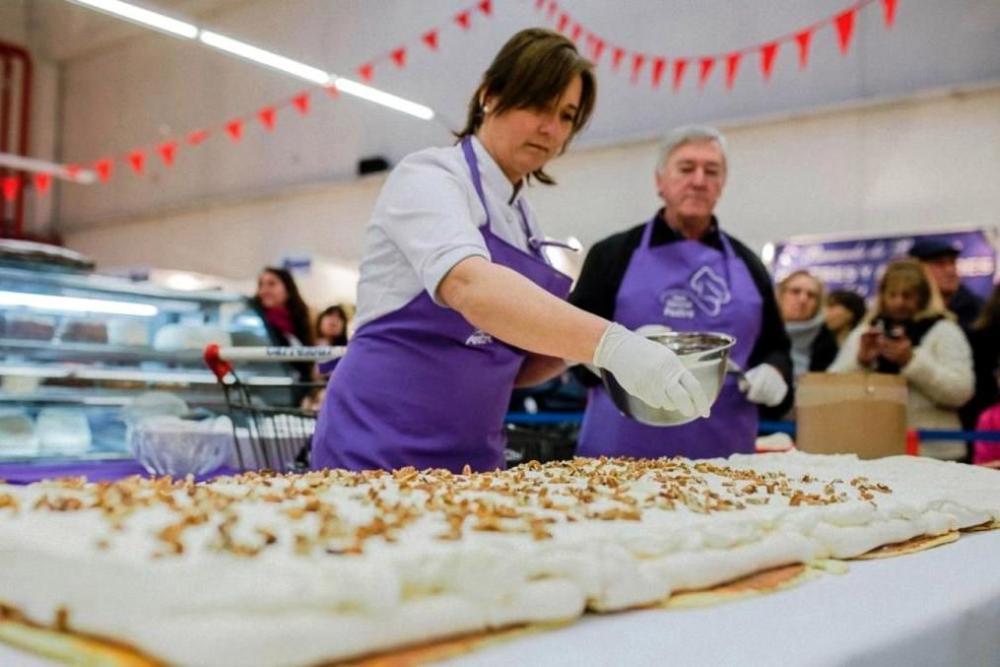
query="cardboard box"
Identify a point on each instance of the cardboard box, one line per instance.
(851, 413)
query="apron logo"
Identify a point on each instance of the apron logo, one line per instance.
(709, 290)
(677, 303)
(478, 338)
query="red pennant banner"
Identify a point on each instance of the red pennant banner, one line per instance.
(197, 137)
(802, 40)
(399, 57)
(267, 116)
(235, 129)
(332, 91)
(638, 60)
(705, 67)
(42, 182)
(575, 34)
(486, 7)
(430, 38)
(767, 54)
(138, 161)
(889, 7)
(104, 168)
(659, 64)
(11, 186)
(732, 65)
(845, 29)
(539, 4)
(301, 102)
(464, 19)
(616, 57)
(167, 151)
(563, 23)
(366, 72)
(680, 64)
(553, 8)
(72, 171)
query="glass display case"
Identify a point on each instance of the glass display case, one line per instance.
(77, 349)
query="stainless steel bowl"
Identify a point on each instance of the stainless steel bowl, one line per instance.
(705, 354)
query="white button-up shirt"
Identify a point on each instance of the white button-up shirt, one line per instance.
(426, 220)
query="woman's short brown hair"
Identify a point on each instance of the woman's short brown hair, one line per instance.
(530, 71)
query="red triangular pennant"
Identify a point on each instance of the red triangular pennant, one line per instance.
(553, 8)
(301, 102)
(399, 56)
(138, 161)
(11, 186)
(430, 38)
(616, 57)
(889, 7)
(235, 129)
(464, 19)
(72, 170)
(845, 29)
(332, 90)
(732, 65)
(767, 54)
(167, 150)
(803, 39)
(680, 64)
(659, 64)
(197, 137)
(574, 34)
(486, 7)
(563, 22)
(366, 72)
(266, 117)
(104, 168)
(638, 60)
(705, 67)
(42, 182)
(539, 4)
(598, 49)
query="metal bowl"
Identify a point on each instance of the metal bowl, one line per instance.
(705, 354)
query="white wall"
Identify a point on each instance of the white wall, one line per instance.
(922, 163)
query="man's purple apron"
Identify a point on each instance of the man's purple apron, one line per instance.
(421, 386)
(687, 286)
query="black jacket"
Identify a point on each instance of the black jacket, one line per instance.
(604, 268)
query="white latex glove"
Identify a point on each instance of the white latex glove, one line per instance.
(649, 371)
(765, 385)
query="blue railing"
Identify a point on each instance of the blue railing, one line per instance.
(926, 434)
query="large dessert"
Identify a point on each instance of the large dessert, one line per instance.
(297, 570)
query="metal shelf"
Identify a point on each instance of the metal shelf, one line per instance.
(73, 351)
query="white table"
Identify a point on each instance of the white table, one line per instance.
(939, 607)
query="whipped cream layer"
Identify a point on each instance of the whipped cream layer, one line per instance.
(298, 569)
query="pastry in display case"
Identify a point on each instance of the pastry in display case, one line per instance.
(77, 349)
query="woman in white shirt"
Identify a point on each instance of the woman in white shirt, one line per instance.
(456, 302)
(911, 334)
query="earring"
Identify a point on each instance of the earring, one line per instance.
(486, 109)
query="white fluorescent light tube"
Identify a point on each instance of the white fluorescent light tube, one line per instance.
(50, 302)
(385, 99)
(263, 57)
(146, 17)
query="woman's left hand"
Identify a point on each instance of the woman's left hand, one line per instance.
(897, 350)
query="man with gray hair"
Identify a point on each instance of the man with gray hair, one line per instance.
(680, 271)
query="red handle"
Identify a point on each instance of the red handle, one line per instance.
(219, 366)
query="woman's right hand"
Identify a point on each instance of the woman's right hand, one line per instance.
(650, 371)
(868, 348)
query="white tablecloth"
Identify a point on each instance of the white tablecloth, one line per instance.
(939, 607)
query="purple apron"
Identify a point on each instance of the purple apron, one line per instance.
(421, 386)
(687, 286)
